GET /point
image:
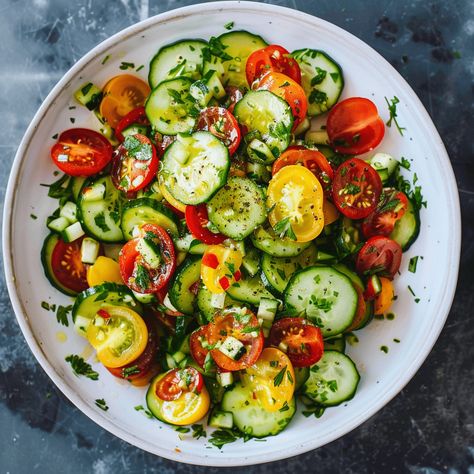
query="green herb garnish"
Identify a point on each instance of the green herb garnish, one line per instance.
(392, 108)
(278, 379)
(100, 402)
(62, 314)
(81, 367)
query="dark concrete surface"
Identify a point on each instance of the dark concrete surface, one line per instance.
(429, 427)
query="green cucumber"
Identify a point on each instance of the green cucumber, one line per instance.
(180, 294)
(265, 239)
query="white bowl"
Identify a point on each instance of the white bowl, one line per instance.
(416, 325)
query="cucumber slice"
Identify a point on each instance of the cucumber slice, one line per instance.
(325, 296)
(101, 218)
(204, 302)
(249, 415)
(301, 375)
(89, 95)
(249, 290)
(265, 239)
(236, 45)
(267, 116)
(219, 418)
(180, 295)
(76, 185)
(384, 164)
(333, 380)
(194, 167)
(170, 107)
(237, 208)
(197, 247)
(355, 279)
(347, 237)
(407, 228)
(278, 270)
(147, 211)
(251, 261)
(91, 300)
(46, 254)
(183, 58)
(337, 343)
(321, 78)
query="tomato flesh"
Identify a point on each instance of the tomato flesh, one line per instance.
(234, 94)
(197, 220)
(136, 116)
(304, 341)
(178, 381)
(379, 255)
(81, 152)
(272, 58)
(67, 265)
(222, 124)
(356, 188)
(354, 126)
(229, 323)
(139, 275)
(134, 164)
(198, 352)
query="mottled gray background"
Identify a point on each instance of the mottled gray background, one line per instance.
(429, 427)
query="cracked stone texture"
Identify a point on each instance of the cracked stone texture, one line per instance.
(429, 426)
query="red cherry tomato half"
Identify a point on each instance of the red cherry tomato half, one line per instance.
(67, 265)
(222, 124)
(195, 343)
(81, 152)
(354, 126)
(272, 58)
(360, 311)
(178, 381)
(289, 90)
(140, 366)
(142, 276)
(162, 143)
(371, 291)
(391, 208)
(197, 220)
(314, 160)
(234, 94)
(134, 164)
(379, 255)
(356, 188)
(228, 324)
(136, 116)
(304, 341)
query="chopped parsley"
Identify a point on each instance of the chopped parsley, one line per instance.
(412, 264)
(315, 410)
(317, 97)
(128, 371)
(392, 108)
(138, 150)
(81, 367)
(319, 77)
(124, 66)
(229, 26)
(404, 163)
(146, 412)
(106, 58)
(100, 402)
(139, 68)
(99, 220)
(62, 314)
(384, 349)
(198, 431)
(175, 95)
(34, 216)
(224, 436)
(182, 429)
(283, 229)
(217, 48)
(351, 188)
(321, 303)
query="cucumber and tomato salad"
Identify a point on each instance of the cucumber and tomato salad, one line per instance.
(214, 256)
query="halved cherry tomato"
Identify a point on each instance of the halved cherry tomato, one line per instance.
(136, 116)
(360, 311)
(197, 220)
(354, 126)
(272, 378)
(142, 276)
(356, 188)
(144, 379)
(222, 124)
(234, 94)
(122, 94)
(289, 90)
(304, 341)
(371, 290)
(236, 322)
(314, 160)
(295, 196)
(188, 408)
(170, 199)
(104, 270)
(134, 164)
(81, 152)
(220, 267)
(379, 255)
(198, 352)
(384, 300)
(272, 58)
(67, 265)
(390, 209)
(142, 364)
(162, 143)
(118, 339)
(330, 212)
(178, 381)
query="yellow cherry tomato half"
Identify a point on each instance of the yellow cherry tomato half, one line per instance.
(171, 200)
(118, 334)
(296, 198)
(220, 267)
(331, 214)
(383, 301)
(104, 270)
(122, 94)
(189, 408)
(272, 378)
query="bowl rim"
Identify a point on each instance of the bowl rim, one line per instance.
(9, 210)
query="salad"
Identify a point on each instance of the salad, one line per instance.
(220, 248)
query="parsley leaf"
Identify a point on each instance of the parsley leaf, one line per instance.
(138, 150)
(283, 229)
(100, 402)
(392, 108)
(229, 26)
(217, 48)
(319, 77)
(81, 367)
(62, 313)
(198, 431)
(224, 436)
(99, 220)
